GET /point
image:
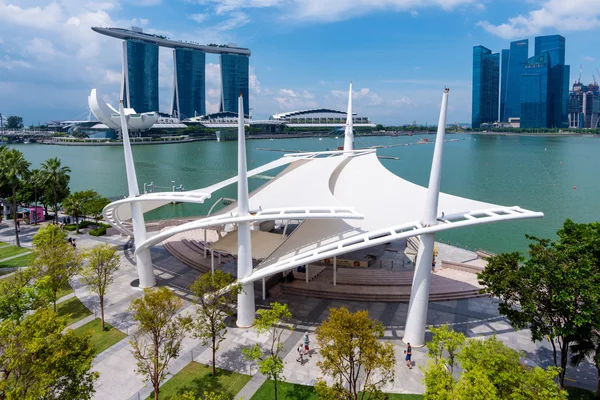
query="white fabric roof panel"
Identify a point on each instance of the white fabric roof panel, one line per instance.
(263, 243)
(382, 197)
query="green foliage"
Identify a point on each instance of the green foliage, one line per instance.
(270, 322)
(57, 177)
(80, 204)
(445, 340)
(160, 333)
(490, 371)
(55, 259)
(99, 273)
(20, 293)
(100, 339)
(555, 292)
(205, 396)
(213, 308)
(14, 122)
(350, 350)
(98, 232)
(38, 361)
(13, 170)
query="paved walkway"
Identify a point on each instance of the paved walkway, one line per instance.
(118, 380)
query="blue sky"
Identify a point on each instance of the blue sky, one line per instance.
(399, 53)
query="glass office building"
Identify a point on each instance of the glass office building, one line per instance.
(141, 86)
(535, 105)
(555, 46)
(511, 84)
(503, 83)
(234, 80)
(189, 94)
(486, 76)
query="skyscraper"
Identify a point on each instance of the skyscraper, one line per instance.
(486, 76)
(559, 78)
(503, 83)
(141, 83)
(511, 86)
(535, 87)
(234, 80)
(189, 83)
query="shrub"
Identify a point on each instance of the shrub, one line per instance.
(98, 232)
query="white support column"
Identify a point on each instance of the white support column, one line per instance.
(264, 289)
(205, 249)
(246, 306)
(143, 258)
(212, 261)
(334, 271)
(416, 317)
(349, 133)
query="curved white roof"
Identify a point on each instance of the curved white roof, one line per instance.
(109, 116)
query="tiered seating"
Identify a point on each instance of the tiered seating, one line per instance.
(188, 256)
(357, 285)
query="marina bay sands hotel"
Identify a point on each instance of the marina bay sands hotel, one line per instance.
(189, 80)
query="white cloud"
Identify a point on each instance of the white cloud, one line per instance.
(254, 82)
(365, 95)
(9, 63)
(562, 15)
(414, 13)
(199, 18)
(287, 92)
(588, 58)
(235, 20)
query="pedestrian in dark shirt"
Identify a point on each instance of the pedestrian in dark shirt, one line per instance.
(408, 356)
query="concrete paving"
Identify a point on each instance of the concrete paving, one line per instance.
(477, 317)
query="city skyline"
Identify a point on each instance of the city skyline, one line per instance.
(398, 53)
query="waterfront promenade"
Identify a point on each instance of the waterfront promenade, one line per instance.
(476, 317)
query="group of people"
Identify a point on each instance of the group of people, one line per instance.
(304, 348)
(71, 241)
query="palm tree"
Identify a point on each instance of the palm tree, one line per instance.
(37, 178)
(76, 204)
(56, 175)
(13, 168)
(588, 349)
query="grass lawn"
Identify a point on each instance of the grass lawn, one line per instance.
(9, 251)
(580, 394)
(75, 308)
(64, 291)
(23, 261)
(101, 340)
(195, 377)
(2, 244)
(293, 391)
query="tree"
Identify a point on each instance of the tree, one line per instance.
(213, 309)
(490, 371)
(554, 292)
(96, 205)
(13, 168)
(55, 259)
(446, 340)
(269, 322)
(57, 176)
(78, 203)
(160, 333)
(99, 273)
(588, 348)
(20, 293)
(13, 123)
(351, 350)
(39, 361)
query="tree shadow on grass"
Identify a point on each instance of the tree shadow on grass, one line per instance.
(300, 392)
(208, 383)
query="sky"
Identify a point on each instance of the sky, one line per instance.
(400, 54)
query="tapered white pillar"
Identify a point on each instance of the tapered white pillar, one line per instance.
(349, 133)
(246, 308)
(416, 319)
(143, 259)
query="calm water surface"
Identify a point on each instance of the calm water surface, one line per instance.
(537, 173)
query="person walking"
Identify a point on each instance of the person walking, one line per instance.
(300, 353)
(306, 345)
(408, 356)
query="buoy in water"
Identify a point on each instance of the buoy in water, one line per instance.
(574, 187)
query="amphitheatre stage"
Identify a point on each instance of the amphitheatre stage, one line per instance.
(388, 278)
(329, 205)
